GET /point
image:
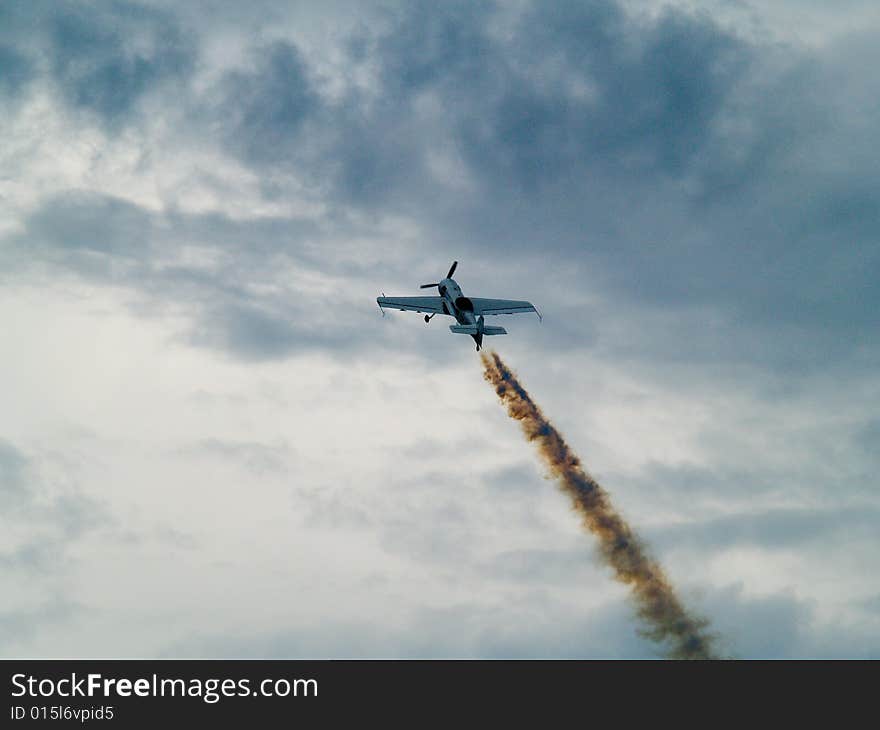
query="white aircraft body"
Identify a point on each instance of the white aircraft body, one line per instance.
(468, 312)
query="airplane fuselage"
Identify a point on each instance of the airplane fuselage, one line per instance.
(459, 306)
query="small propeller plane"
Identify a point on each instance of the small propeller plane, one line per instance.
(468, 312)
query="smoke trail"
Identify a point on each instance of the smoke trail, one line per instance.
(656, 602)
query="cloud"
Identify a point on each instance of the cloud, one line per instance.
(85, 228)
(537, 625)
(534, 626)
(42, 523)
(12, 470)
(691, 202)
(645, 148)
(257, 457)
(18, 626)
(42, 520)
(238, 299)
(262, 111)
(16, 71)
(255, 334)
(608, 92)
(106, 63)
(775, 528)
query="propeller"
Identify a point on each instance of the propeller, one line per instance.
(448, 276)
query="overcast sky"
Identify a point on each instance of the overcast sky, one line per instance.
(213, 444)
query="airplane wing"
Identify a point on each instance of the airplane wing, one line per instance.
(502, 306)
(413, 304)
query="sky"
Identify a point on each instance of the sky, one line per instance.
(212, 444)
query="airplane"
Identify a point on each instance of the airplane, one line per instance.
(469, 312)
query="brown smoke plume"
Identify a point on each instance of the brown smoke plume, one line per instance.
(656, 602)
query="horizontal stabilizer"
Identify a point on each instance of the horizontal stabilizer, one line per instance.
(471, 329)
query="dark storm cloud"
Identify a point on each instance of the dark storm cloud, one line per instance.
(229, 306)
(577, 90)
(431, 44)
(670, 162)
(263, 109)
(18, 66)
(103, 59)
(868, 438)
(85, 229)
(106, 58)
(16, 70)
(678, 165)
(665, 162)
(586, 86)
(253, 333)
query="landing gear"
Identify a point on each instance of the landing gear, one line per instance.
(429, 318)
